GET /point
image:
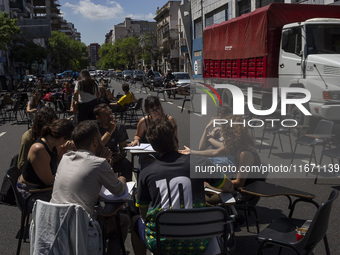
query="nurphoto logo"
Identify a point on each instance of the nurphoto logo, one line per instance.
(238, 105)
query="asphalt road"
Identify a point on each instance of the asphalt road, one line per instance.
(268, 208)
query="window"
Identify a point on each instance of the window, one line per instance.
(217, 16)
(198, 29)
(197, 53)
(244, 6)
(291, 40)
(262, 3)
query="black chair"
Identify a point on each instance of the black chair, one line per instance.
(282, 232)
(181, 91)
(248, 203)
(194, 224)
(278, 131)
(324, 127)
(138, 106)
(331, 153)
(23, 203)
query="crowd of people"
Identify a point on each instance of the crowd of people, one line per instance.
(77, 157)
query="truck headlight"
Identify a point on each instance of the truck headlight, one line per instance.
(331, 95)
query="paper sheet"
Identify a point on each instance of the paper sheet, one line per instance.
(141, 146)
(106, 194)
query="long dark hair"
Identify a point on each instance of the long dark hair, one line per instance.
(44, 117)
(61, 128)
(87, 84)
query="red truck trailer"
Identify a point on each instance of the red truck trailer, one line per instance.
(248, 46)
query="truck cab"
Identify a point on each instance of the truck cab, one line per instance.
(310, 58)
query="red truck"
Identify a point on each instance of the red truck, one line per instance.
(280, 45)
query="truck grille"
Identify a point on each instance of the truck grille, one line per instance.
(331, 70)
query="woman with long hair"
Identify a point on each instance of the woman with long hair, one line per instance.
(154, 111)
(44, 155)
(85, 96)
(44, 117)
(35, 104)
(237, 143)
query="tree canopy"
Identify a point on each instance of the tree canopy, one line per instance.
(8, 27)
(66, 53)
(120, 55)
(29, 53)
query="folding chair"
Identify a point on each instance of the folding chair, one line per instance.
(331, 153)
(282, 232)
(278, 131)
(324, 127)
(194, 224)
(23, 203)
(66, 228)
(135, 108)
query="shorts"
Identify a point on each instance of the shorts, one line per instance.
(139, 228)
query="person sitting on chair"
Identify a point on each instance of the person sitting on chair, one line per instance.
(155, 185)
(155, 112)
(238, 143)
(114, 137)
(126, 99)
(44, 156)
(43, 117)
(82, 173)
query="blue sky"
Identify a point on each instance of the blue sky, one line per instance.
(94, 18)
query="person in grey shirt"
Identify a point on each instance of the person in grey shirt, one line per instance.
(82, 173)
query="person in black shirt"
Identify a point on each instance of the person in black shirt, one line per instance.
(114, 137)
(166, 183)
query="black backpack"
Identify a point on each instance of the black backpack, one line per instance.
(6, 192)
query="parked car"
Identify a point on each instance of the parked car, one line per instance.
(157, 81)
(182, 80)
(92, 73)
(111, 73)
(65, 74)
(127, 75)
(138, 75)
(49, 77)
(118, 74)
(29, 78)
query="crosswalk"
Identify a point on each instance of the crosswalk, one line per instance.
(2, 133)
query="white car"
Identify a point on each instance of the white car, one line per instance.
(182, 79)
(92, 73)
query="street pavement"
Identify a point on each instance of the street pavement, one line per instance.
(268, 208)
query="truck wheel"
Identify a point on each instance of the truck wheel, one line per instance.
(301, 119)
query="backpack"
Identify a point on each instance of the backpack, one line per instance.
(6, 192)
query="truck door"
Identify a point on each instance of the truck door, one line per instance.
(290, 56)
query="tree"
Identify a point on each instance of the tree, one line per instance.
(29, 53)
(67, 53)
(8, 28)
(128, 51)
(107, 53)
(149, 46)
(120, 55)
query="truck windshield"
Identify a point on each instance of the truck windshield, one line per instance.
(323, 39)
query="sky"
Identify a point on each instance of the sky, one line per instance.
(95, 18)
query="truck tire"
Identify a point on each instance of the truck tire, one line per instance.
(301, 119)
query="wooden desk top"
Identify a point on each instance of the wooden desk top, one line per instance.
(319, 136)
(265, 189)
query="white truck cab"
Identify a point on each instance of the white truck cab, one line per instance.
(310, 58)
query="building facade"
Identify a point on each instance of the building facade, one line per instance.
(130, 28)
(167, 36)
(93, 53)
